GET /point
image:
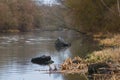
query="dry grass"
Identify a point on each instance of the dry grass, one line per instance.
(106, 77)
(76, 65)
(110, 50)
(104, 55)
(113, 41)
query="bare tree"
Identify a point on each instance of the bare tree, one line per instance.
(111, 10)
(118, 5)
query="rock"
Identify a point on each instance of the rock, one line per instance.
(103, 68)
(95, 68)
(43, 60)
(60, 44)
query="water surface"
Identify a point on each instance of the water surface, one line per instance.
(17, 50)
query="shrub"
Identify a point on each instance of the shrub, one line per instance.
(18, 14)
(95, 15)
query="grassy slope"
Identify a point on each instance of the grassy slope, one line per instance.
(110, 49)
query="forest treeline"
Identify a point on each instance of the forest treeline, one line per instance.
(82, 15)
(18, 15)
(94, 15)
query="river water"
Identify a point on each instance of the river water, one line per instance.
(17, 50)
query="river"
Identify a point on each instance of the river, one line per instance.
(17, 50)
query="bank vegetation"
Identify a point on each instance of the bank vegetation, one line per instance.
(18, 15)
(94, 15)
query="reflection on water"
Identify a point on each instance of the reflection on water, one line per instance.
(16, 51)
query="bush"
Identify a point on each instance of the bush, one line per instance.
(94, 15)
(18, 15)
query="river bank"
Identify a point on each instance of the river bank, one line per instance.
(110, 48)
(103, 64)
(110, 52)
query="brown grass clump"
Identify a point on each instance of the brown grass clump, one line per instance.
(107, 39)
(113, 41)
(73, 65)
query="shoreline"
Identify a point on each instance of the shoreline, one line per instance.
(104, 62)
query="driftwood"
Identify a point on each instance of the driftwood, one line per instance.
(64, 71)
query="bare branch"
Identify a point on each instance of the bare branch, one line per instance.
(118, 6)
(102, 1)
